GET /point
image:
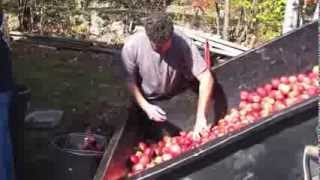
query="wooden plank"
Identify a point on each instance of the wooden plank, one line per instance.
(216, 45)
(213, 38)
(215, 50)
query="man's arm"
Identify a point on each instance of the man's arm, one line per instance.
(135, 91)
(206, 83)
(201, 71)
(205, 92)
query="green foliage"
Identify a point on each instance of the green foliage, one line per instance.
(263, 17)
(268, 15)
(271, 14)
(242, 3)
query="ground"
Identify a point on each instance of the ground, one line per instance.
(85, 85)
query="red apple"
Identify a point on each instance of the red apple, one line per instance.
(291, 101)
(244, 95)
(166, 157)
(275, 83)
(183, 134)
(312, 75)
(149, 152)
(301, 77)
(284, 88)
(268, 88)
(167, 139)
(142, 146)
(138, 167)
(161, 144)
(234, 112)
(255, 98)
(150, 165)
(268, 100)
(250, 118)
(304, 96)
(273, 94)
(265, 113)
(174, 140)
(313, 91)
(279, 96)
(227, 118)
(294, 93)
(145, 159)
(292, 79)
(256, 115)
(134, 159)
(231, 129)
(300, 88)
(222, 122)
(284, 80)
(267, 107)
(158, 160)
(205, 133)
(158, 151)
(315, 69)
(256, 106)
(307, 81)
(279, 105)
(243, 112)
(262, 92)
(175, 150)
(242, 104)
(139, 154)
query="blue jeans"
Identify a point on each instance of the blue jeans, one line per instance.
(6, 156)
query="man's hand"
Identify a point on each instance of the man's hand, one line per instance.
(154, 112)
(200, 126)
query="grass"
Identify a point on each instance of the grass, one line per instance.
(68, 83)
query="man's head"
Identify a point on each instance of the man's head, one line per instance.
(159, 29)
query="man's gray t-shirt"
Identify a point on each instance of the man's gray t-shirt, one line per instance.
(161, 75)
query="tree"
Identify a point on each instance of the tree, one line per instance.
(225, 32)
(291, 19)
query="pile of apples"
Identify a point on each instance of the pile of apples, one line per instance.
(254, 105)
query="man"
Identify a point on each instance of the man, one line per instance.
(161, 63)
(6, 84)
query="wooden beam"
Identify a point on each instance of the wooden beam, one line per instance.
(217, 45)
(215, 50)
(212, 37)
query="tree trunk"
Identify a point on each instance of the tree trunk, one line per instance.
(217, 17)
(239, 26)
(41, 20)
(291, 16)
(20, 10)
(316, 12)
(250, 22)
(225, 33)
